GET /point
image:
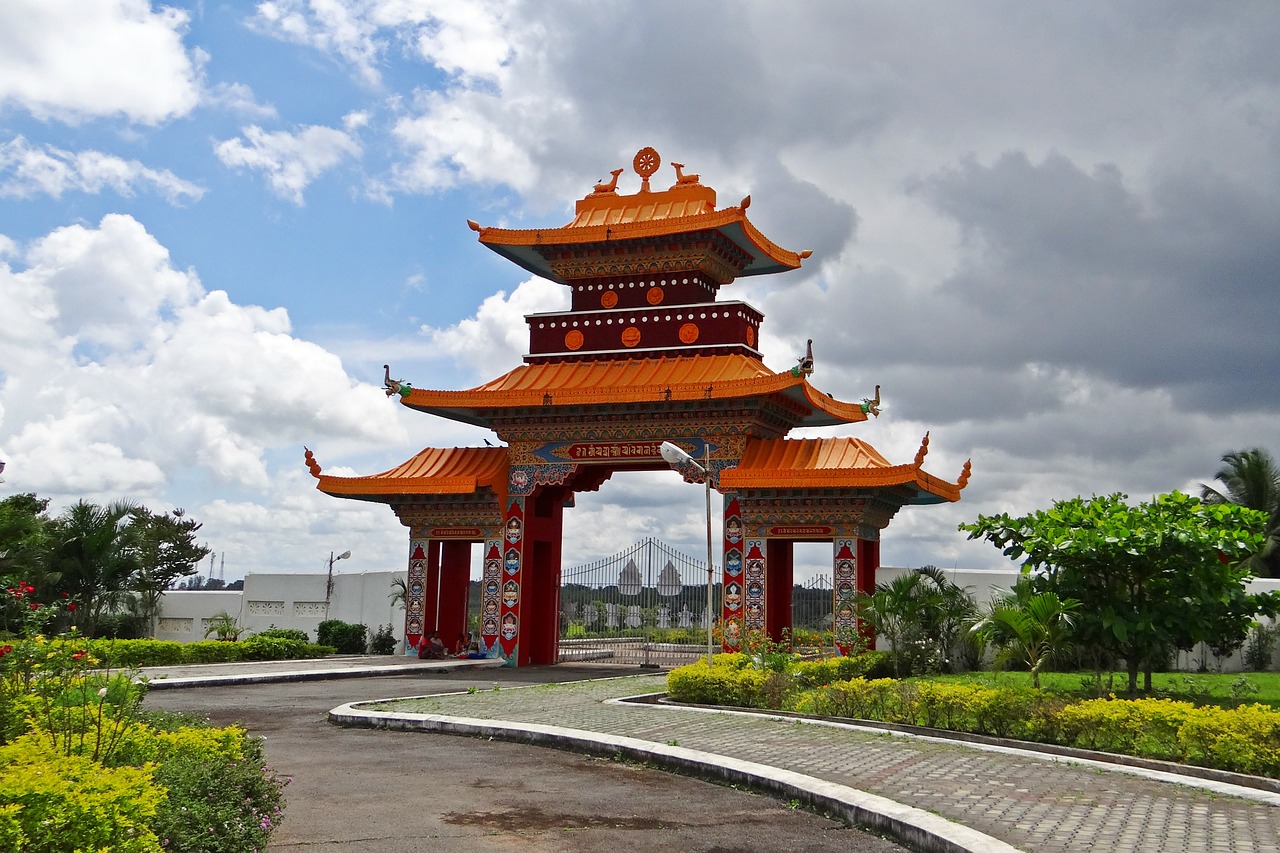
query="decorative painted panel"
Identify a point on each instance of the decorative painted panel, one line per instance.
(844, 590)
(309, 609)
(175, 626)
(266, 608)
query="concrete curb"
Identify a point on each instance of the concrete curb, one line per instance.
(313, 674)
(908, 825)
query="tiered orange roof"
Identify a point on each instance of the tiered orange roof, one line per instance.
(434, 471)
(640, 381)
(604, 216)
(848, 463)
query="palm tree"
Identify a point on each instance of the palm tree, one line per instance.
(1251, 478)
(93, 552)
(1031, 629)
(399, 594)
(920, 607)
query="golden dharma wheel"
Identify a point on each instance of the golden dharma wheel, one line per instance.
(688, 333)
(646, 162)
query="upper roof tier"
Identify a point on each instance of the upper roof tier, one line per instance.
(604, 220)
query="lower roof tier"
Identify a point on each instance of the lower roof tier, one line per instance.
(818, 464)
(657, 381)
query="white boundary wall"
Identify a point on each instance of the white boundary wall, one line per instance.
(285, 601)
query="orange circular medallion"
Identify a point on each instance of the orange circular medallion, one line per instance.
(608, 299)
(751, 336)
(689, 333)
(630, 336)
(573, 340)
(654, 296)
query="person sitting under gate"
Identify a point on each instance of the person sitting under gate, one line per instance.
(460, 647)
(432, 647)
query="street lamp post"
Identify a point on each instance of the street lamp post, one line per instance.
(681, 461)
(328, 587)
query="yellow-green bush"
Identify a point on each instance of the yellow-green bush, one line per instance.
(69, 804)
(1143, 727)
(725, 683)
(141, 743)
(1244, 739)
(816, 673)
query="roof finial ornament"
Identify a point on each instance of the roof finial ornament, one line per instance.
(312, 465)
(964, 474)
(646, 162)
(395, 386)
(871, 406)
(804, 364)
(682, 178)
(602, 188)
(923, 451)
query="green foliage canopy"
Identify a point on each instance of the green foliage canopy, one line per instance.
(1162, 575)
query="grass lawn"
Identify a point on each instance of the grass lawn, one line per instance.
(1204, 688)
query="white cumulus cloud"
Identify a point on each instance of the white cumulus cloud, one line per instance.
(290, 161)
(71, 61)
(27, 170)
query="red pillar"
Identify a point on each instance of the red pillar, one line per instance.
(455, 587)
(779, 578)
(431, 589)
(544, 528)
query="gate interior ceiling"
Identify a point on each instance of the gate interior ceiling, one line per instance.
(646, 353)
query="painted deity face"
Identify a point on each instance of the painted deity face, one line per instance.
(508, 627)
(733, 596)
(510, 593)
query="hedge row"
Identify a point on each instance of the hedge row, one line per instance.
(138, 653)
(1244, 739)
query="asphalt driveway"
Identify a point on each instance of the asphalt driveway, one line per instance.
(356, 790)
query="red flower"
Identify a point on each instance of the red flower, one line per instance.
(35, 606)
(72, 607)
(64, 594)
(77, 656)
(30, 589)
(5, 649)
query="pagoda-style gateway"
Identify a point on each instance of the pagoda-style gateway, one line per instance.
(645, 354)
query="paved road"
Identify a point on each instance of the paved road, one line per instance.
(355, 790)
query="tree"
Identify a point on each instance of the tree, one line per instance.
(1032, 628)
(94, 553)
(1166, 574)
(920, 609)
(1251, 478)
(24, 543)
(166, 551)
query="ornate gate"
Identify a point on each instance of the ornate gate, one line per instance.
(645, 605)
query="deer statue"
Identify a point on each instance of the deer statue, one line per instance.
(602, 187)
(682, 178)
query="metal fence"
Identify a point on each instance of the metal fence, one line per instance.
(645, 605)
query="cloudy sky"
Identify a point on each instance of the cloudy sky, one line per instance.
(1049, 231)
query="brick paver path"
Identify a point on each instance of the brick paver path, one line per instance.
(1034, 804)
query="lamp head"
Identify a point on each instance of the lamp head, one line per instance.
(343, 555)
(674, 455)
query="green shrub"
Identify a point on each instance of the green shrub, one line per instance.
(270, 648)
(816, 673)
(70, 803)
(384, 641)
(129, 654)
(120, 626)
(217, 804)
(212, 651)
(285, 634)
(348, 639)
